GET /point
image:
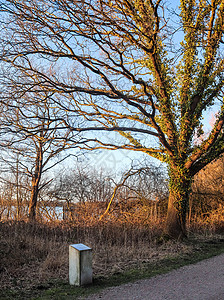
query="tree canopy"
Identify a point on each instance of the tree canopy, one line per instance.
(142, 68)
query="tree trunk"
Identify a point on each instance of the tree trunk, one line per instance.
(35, 183)
(175, 226)
(33, 202)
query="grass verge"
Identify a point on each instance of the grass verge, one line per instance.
(59, 289)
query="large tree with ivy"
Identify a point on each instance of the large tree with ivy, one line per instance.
(144, 69)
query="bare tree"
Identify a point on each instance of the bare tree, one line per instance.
(14, 194)
(29, 154)
(132, 67)
(81, 184)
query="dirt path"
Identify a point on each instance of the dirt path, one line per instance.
(202, 281)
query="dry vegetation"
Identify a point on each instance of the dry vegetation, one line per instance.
(33, 253)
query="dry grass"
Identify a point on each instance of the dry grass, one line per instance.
(30, 254)
(211, 222)
(33, 253)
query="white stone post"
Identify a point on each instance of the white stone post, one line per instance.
(80, 265)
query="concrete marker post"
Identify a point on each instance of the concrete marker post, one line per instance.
(80, 265)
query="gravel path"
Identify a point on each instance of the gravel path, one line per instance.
(202, 281)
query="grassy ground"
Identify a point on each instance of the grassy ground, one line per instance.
(34, 257)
